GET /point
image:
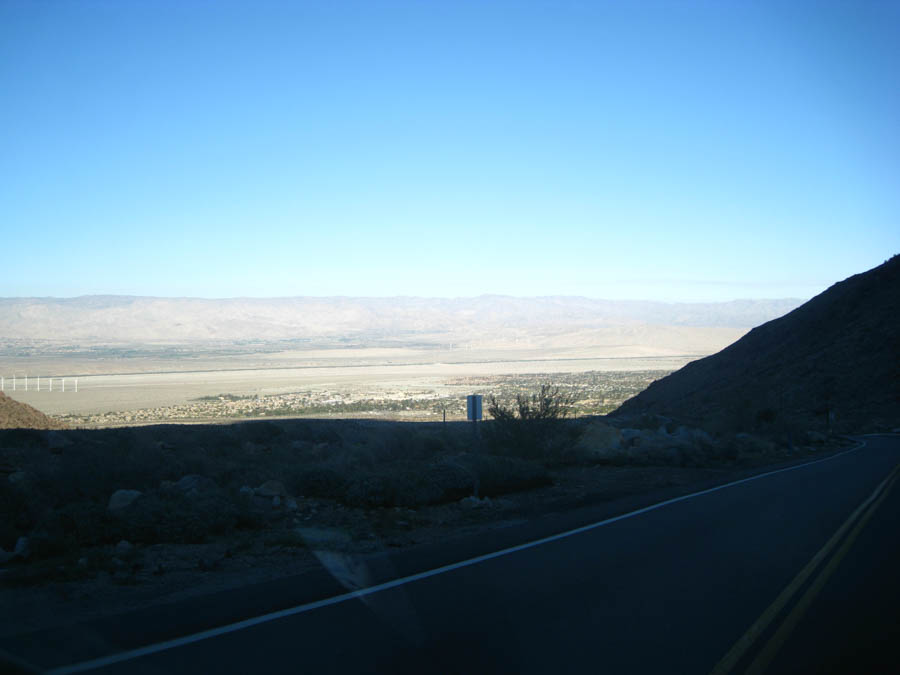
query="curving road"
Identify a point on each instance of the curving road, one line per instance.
(792, 570)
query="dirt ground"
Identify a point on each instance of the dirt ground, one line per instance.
(156, 574)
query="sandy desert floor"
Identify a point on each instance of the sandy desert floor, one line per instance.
(112, 385)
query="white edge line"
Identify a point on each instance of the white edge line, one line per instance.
(337, 599)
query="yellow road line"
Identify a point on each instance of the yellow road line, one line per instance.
(736, 653)
(768, 652)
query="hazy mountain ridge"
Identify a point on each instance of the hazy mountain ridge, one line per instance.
(142, 319)
(831, 364)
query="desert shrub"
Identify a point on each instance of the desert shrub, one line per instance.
(21, 438)
(749, 445)
(16, 517)
(261, 432)
(432, 444)
(414, 485)
(226, 439)
(370, 490)
(499, 475)
(403, 443)
(151, 519)
(300, 431)
(452, 478)
(328, 435)
(175, 518)
(766, 416)
(318, 481)
(532, 427)
(356, 457)
(410, 484)
(95, 471)
(72, 526)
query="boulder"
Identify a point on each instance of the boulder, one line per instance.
(473, 502)
(702, 438)
(643, 440)
(122, 498)
(601, 441)
(271, 488)
(629, 435)
(194, 485)
(261, 503)
(22, 549)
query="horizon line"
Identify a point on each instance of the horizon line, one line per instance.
(785, 298)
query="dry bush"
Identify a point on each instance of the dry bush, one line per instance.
(533, 426)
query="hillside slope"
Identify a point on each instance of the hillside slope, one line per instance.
(16, 415)
(832, 363)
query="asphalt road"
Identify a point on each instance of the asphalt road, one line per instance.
(793, 571)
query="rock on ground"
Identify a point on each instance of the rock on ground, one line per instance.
(272, 488)
(122, 498)
(193, 485)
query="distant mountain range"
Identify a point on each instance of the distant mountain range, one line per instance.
(831, 364)
(489, 319)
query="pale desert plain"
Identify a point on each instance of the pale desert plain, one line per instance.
(346, 374)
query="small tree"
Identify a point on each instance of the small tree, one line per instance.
(529, 427)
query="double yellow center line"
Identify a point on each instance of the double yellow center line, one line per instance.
(854, 525)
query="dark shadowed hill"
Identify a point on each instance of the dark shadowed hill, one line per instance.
(832, 362)
(15, 415)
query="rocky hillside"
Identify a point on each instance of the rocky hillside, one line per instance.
(15, 415)
(832, 364)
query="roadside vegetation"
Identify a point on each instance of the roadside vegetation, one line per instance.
(81, 500)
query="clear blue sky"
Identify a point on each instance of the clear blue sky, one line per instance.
(673, 151)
